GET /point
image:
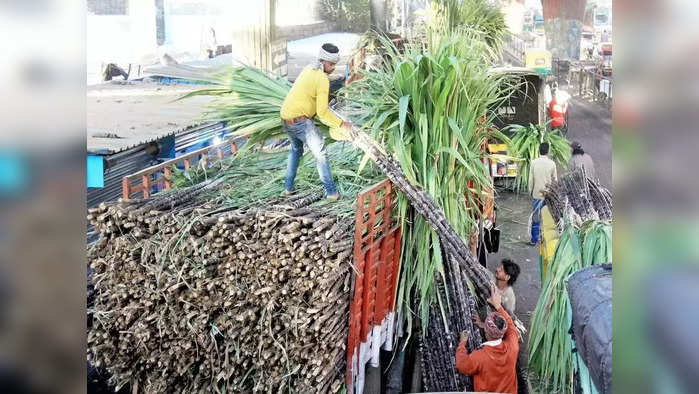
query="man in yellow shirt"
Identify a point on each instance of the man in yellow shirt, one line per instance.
(308, 97)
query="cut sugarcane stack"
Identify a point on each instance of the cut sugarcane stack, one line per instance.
(576, 192)
(191, 296)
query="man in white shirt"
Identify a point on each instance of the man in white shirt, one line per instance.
(541, 172)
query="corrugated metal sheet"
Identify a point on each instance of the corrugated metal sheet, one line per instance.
(132, 160)
(135, 159)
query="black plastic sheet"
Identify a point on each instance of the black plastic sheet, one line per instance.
(590, 293)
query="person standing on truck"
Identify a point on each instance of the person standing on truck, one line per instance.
(541, 172)
(493, 365)
(309, 97)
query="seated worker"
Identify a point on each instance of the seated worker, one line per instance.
(492, 366)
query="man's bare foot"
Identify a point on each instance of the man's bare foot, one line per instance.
(287, 192)
(334, 197)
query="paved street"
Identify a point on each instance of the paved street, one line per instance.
(591, 125)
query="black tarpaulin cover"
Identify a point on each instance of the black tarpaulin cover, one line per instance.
(590, 293)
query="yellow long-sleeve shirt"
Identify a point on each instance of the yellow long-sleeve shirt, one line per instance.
(308, 97)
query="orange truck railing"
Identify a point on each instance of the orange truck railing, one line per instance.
(377, 245)
(142, 181)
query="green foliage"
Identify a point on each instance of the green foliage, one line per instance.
(429, 109)
(249, 101)
(550, 347)
(349, 15)
(255, 176)
(525, 146)
(447, 16)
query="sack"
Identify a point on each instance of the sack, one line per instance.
(492, 240)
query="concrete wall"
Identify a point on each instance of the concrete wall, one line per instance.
(108, 7)
(296, 12)
(292, 33)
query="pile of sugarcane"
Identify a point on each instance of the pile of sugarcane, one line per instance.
(192, 296)
(439, 372)
(459, 268)
(428, 105)
(577, 192)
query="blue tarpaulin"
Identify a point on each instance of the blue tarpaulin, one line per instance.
(14, 174)
(95, 171)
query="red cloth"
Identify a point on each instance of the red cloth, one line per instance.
(493, 367)
(492, 330)
(557, 114)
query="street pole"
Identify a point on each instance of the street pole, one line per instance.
(563, 20)
(403, 24)
(377, 9)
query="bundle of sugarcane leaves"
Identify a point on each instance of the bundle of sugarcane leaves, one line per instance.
(251, 176)
(249, 101)
(220, 287)
(550, 347)
(575, 191)
(525, 147)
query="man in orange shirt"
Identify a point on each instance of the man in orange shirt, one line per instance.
(492, 366)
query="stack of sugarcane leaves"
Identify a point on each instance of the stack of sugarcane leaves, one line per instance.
(525, 146)
(584, 195)
(250, 298)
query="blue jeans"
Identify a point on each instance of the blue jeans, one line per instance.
(537, 204)
(307, 132)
